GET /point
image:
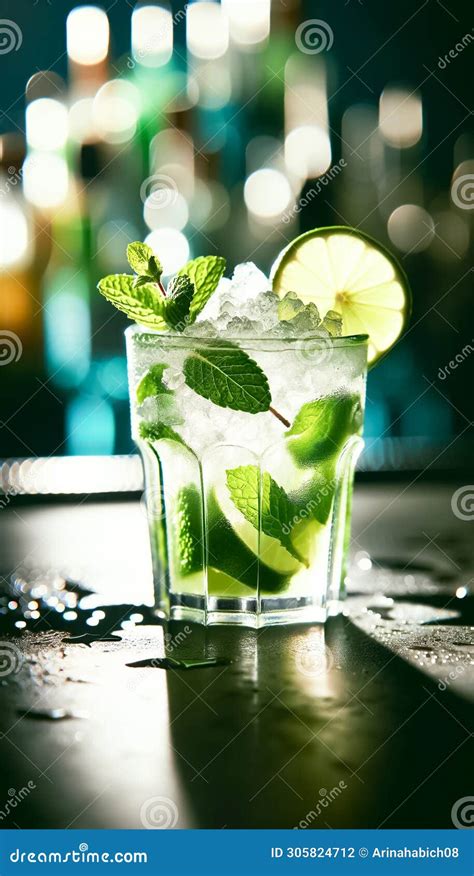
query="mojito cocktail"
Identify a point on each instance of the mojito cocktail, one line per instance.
(247, 406)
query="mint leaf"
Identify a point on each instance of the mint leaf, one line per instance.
(143, 261)
(144, 303)
(277, 514)
(156, 431)
(205, 273)
(141, 281)
(155, 268)
(180, 295)
(227, 376)
(152, 383)
(321, 428)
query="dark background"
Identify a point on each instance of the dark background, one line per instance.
(415, 418)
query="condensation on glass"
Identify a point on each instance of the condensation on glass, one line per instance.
(216, 560)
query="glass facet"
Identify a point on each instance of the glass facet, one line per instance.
(249, 514)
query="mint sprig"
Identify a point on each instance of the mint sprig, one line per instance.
(142, 303)
(146, 304)
(144, 262)
(227, 376)
(264, 503)
(180, 296)
(144, 298)
(205, 273)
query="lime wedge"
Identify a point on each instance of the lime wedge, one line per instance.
(342, 269)
(272, 553)
(188, 532)
(233, 549)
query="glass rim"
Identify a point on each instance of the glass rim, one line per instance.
(339, 341)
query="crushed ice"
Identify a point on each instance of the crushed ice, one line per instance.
(245, 306)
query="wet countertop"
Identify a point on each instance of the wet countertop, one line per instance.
(363, 724)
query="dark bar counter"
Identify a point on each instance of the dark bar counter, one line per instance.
(363, 724)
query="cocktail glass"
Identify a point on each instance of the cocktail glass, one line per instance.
(249, 514)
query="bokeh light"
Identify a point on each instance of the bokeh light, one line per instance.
(172, 246)
(411, 228)
(152, 35)
(400, 117)
(87, 29)
(207, 30)
(46, 124)
(267, 194)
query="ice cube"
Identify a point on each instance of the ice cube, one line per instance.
(333, 323)
(213, 306)
(163, 408)
(246, 296)
(203, 329)
(173, 379)
(248, 281)
(308, 319)
(289, 306)
(242, 326)
(284, 329)
(264, 308)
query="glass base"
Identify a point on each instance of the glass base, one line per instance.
(245, 612)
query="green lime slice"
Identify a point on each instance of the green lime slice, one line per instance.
(233, 549)
(322, 426)
(272, 553)
(340, 268)
(232, 543)
(222, 585)
(187, 527)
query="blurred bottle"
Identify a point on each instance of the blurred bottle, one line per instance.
(20, 264)
(66, 296)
